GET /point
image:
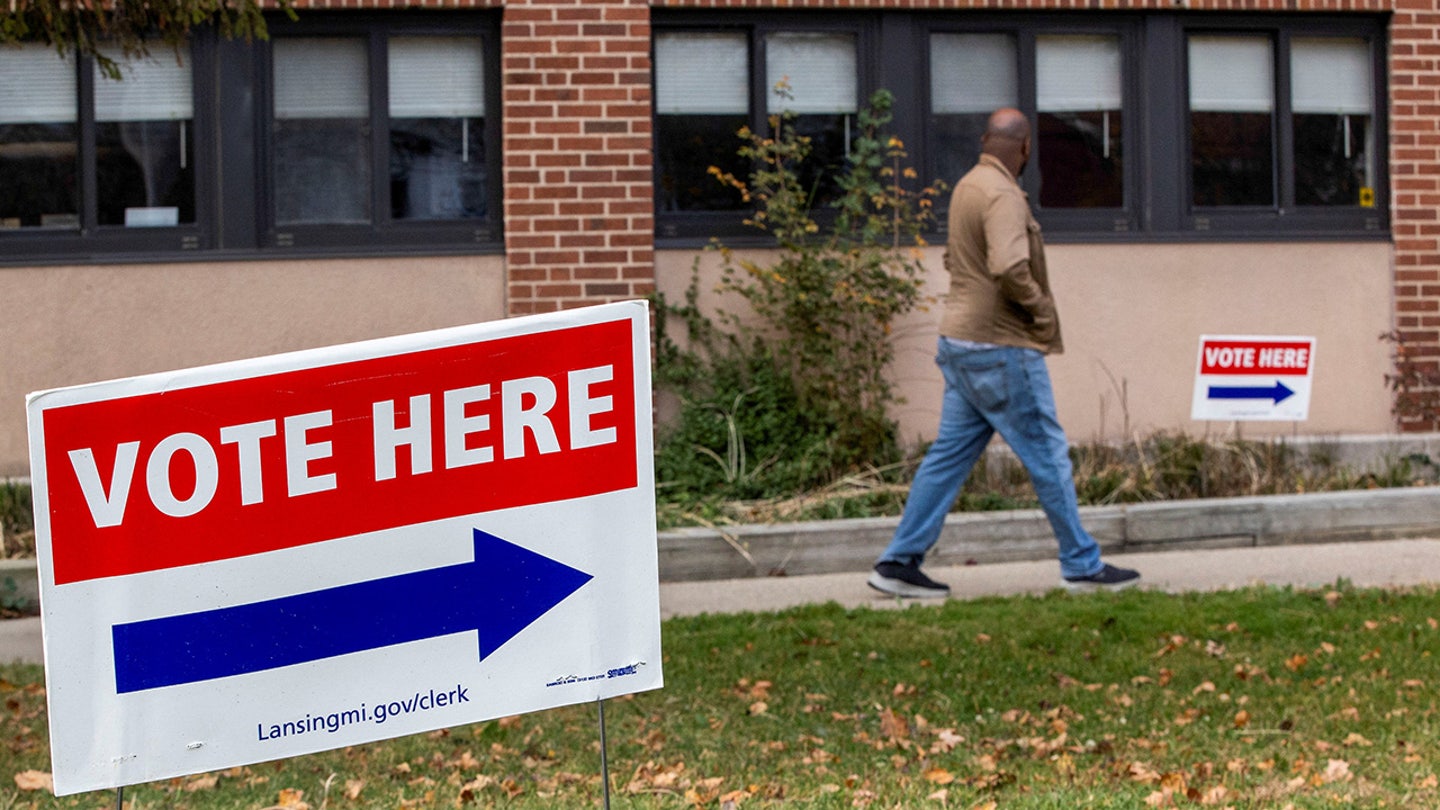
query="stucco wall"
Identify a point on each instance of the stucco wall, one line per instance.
(71, 325)
(1132, 316)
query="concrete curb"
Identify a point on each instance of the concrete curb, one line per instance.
(836, 546)
(842, 546)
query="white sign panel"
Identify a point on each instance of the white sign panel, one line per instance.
(1253, 378)
(267, 558)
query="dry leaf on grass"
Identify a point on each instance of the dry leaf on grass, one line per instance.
(34, 780)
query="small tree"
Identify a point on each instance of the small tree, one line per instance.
(793, 392)
(829, 301)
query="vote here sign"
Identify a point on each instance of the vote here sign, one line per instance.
(1252, 377)
(290, 554)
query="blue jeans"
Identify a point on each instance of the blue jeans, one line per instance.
(1004, 389)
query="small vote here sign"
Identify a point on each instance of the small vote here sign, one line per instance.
(1250, 377)
(290, 554)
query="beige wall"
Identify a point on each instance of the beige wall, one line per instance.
(69, 325)
(1132, 316)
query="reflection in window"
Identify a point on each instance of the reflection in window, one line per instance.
(1078, 122)
(437, 116)
(39, 139)
(1232, 104)
(1331, 102)
(144, 123)
(971, 76)
(322, 131)
(815, 75)
(702, 99)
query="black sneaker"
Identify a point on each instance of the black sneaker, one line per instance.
(1109, 578)
(899, 579)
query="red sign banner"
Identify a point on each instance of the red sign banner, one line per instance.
(221, 470)
(1286, 358)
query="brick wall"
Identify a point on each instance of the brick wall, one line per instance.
(1415, 183)
(579, 214)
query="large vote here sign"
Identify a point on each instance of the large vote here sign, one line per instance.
(266, 558)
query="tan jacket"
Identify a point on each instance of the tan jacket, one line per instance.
(999, 288)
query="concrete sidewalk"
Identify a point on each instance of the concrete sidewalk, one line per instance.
(1376, 563)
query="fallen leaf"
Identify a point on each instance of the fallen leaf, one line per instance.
(1338, 771)
(939, 776)
(759, 707)
(205, 782)
(34, 780)
(292, 799)
(893, 725)
(1242, 719)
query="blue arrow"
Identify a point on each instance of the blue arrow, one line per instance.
(1278, 392)
(502, 592)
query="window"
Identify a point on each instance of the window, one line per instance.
(381, 134)
(1283, 123)
(971, 76)
(709, 83)
(95, 160)
(1070, 80)
(1232, 115)
(344, 134)
(1078, 120)
(1332, 102)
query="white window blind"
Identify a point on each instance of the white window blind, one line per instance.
(1331, 76)
(972, 73)
(321, 78)
(437, 77)
(153, 89)
(706, 74)
(819, 68)
(1077, 73)
(37, 86)
(1231, 74)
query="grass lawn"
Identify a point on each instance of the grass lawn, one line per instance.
(1246, 699)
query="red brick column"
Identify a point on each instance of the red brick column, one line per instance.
(1415, 183)
(579, 210)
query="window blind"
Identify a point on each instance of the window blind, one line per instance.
(153, 89)
(1231, 74)
(706, 74)
(819, 68)
(321, 78)
(1077, 73)
(972, 73)
(37, 86)
(437, 77)
(1331, 76)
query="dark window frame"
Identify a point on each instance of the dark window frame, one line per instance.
(1157, 203)
(92, 241)
(232, 115)
(689, 226)
(1284, 216)
(382, 233)
(1026, 31)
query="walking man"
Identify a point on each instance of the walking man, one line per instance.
(999, 323)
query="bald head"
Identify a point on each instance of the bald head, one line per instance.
(1007, 138)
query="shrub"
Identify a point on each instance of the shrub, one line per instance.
(793, 393)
